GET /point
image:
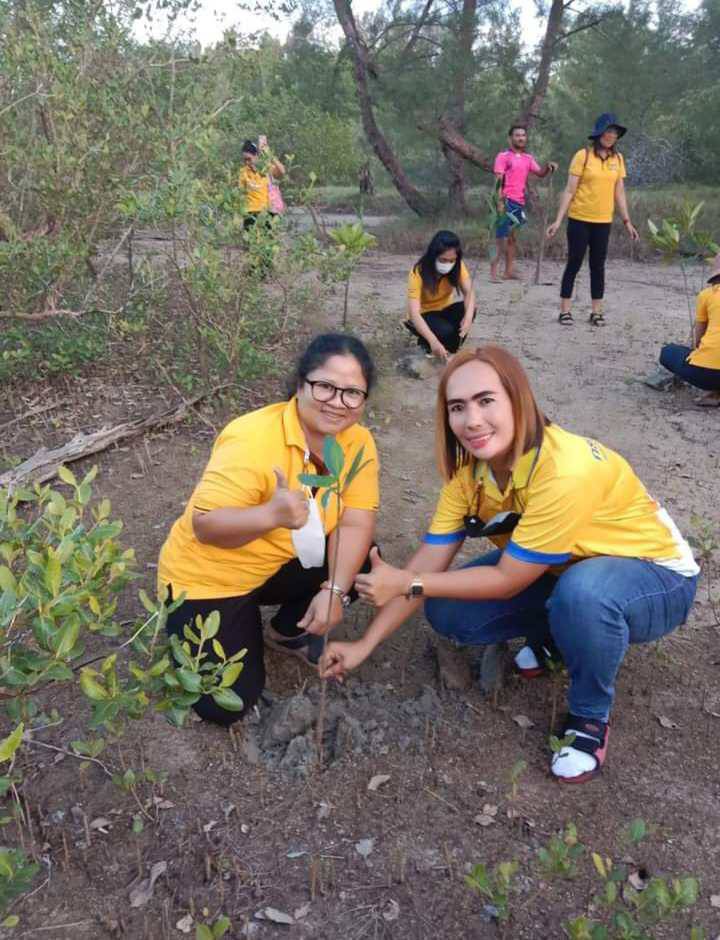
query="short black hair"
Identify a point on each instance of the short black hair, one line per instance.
(324, 346)
(517, 127)
(249, 147)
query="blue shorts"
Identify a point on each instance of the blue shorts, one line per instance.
(514, 217)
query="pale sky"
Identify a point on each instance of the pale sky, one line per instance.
(214, 16)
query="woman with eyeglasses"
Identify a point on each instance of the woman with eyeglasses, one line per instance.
(438, 320)
(585, 558)
(253, 535)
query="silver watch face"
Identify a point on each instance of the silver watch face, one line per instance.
(416, 590)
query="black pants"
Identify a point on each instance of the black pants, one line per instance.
(292, 587)
(445, 324)
(674, 357)
(580, 237)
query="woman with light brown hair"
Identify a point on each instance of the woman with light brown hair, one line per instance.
(585, 559)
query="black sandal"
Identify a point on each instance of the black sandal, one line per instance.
(566, 319)
(305, 646)
(597, 319)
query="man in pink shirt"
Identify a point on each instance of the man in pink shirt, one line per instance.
(512, 167)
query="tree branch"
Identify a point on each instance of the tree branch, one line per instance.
(452, 138)
(579, 29)
(415, 35)
(361, 66)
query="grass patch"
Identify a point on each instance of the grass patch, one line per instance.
(410, 234)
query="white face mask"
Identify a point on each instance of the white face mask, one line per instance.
(444, 267)
(309, 541)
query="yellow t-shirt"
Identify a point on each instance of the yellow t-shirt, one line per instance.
(240, 473)
(707, 355)
(577, 498)
(594, 199)
(431, 301)
(255, 186)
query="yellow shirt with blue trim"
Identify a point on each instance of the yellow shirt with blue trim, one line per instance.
(707, 355)
(594, 199)
(240, 474)
(255, 187)
(577, 499)
(441, 297)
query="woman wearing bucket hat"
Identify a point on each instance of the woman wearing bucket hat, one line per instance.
(700, 366)
(595, 185)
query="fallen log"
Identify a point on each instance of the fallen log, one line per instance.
(44, 464)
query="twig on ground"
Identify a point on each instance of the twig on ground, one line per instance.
(62, 750)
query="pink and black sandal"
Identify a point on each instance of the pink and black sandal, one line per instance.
(584, 758)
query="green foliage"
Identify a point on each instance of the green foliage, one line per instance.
(494, 885)
(351, 242)
(333, 482)
(557, 744)
(623, 912)
(562, 853)
(516, 772)
(678, 239)
(53, 348)
(497, 215)
(213, 931)
(16, 874)
(62, 569)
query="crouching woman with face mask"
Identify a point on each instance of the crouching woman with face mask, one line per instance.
(253, 535)
(584, 558)
(436, 317)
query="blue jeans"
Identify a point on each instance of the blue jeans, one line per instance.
(674, 357)
(593, 611)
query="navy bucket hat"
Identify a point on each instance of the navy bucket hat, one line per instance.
(604, 122)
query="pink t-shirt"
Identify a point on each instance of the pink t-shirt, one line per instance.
(516, 168)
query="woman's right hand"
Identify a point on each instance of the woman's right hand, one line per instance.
(437, 349)
(289, 508)
(552, 229)
(341, 657)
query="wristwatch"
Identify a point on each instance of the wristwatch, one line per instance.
(416, 588)
(344, 598)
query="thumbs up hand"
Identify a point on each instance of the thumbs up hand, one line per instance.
(383, 582)
(288, 508)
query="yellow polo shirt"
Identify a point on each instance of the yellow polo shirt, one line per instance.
(441, 297)
(240, 473)
(577, 498)
(707, 310)
(594, 199)
(255, 187)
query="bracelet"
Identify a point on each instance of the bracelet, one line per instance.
(345, 598)
(626, 221)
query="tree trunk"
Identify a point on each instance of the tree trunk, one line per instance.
(457, 206)
(384, 152)
(531, 111)
(456, 105)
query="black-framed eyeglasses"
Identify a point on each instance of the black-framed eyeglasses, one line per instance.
(326, 391)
